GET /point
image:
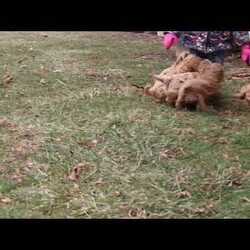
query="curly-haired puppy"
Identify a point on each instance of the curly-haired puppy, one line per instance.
(166, 87)
(197, 93)
(185, 63)
(244, 93)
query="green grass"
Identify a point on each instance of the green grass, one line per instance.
(71, 101)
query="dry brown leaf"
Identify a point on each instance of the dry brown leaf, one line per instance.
(227, 126)
(134, 212)
(88, 143)
(99, 181)
(200, 210)
(246, 199)
(234, 183)
(106, 151)
(18, 178)
(208, 173)
(183, 194)
(138, 213)
(6, 123)
(76, 171)
(7, 78)
(238, 75)
(90, 72)
(117, 193)
(57, 70)
(42, 81)
(172, 154)
(6, 200)
(129, 76)
(190, 131)
(43, 35)
(205, 210)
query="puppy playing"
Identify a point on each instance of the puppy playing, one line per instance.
(244, 93)
(166, 87)
(206, 87)
(185, 63)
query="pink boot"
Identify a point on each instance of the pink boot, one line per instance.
(245, 53)
(170, 40)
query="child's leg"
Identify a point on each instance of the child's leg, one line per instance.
(197, 53)
(216, 57)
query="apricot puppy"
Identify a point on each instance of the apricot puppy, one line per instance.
(206, 87)
(244, 93)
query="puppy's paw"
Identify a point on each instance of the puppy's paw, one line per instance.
(178, 105)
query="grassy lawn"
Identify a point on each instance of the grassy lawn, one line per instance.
(70, 101)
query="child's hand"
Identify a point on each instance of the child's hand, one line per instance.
(245, 53)
(170, 40)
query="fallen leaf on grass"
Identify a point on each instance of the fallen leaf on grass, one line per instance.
(134, 212)
(88, 143)
(205, 210)
(7, 78)
(172, 154)
(25, 58)
(42, 81)
(246, 199)
(99, 181)
(201, 210)
(137, 213)
(6, 123)
(57, 70)
(76, 171)
(117, 193)
(227, 126)
(43, 35)
(238, 75)
(90, 72)
(183, 194)
(18, 177)
(234, 183)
